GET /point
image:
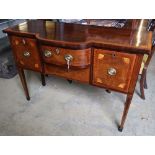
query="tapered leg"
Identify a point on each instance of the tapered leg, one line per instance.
(43, 79)
(142, 84)
(125, 112)
(70, 81)
(145, 81)
(108, 91)
(24, 84)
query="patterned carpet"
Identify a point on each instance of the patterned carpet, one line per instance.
(7, 64)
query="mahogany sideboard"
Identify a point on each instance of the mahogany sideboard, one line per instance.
(109, 58)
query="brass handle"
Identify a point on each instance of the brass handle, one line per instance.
(27, 54)
(112, 71)
(68, 59)
(47, 53)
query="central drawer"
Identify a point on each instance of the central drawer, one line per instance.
(57, 56)
(67, 63)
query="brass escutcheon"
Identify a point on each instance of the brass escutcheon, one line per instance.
(26, 54)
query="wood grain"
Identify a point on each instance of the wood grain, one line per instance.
(123, 63)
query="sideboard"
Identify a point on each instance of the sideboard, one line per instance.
(109, 58)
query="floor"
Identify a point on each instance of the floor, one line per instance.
(61, 108)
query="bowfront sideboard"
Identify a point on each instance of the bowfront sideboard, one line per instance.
(109, 58)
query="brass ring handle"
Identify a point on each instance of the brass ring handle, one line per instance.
(26, 54)
(47, 53)
(112, 71)
(68, 57)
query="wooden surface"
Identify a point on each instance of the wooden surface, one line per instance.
(81, 58)
(133, 36)
(22, 45)
(81, 75)
(123, 63)
(109, 58)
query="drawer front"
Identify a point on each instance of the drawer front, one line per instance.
(58, 56)
(26, 53)
(113, 69)
(81, 75)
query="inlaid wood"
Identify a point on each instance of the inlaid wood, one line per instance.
(22, 46)
(123, 63)
(104, 57)
(81, 58)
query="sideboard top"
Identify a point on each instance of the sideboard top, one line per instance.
(133, 37)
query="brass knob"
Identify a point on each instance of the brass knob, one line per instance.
(26, 54)
(47, 53)
(112, 71)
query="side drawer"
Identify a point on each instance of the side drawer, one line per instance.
(26, 52)
(113, 69)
